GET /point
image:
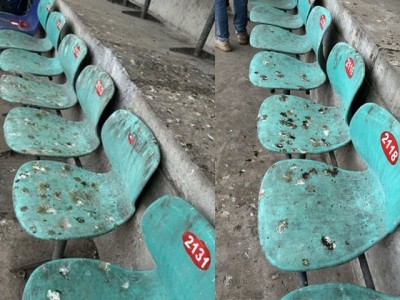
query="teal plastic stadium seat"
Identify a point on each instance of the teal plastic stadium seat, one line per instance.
(280, 71)
(166, 225)
(58, 201)
(337, 292)
(19, 40)
(312, 215)
(40, 92)
(294, 125)
(277, 39)
(23, 61)
(37, 132)
(280, 4)
(266, 14)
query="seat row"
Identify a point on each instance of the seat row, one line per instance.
(58, 201)
(314, 215)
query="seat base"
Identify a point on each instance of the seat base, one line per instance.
(92, 279)
(18, 40)
(57, 201)
(37, 92)
(294, 125)
(312, 215)
(37, 132)
(279, 71)
(276, 39)
(266, 14)
(281, 4)
(22, 61)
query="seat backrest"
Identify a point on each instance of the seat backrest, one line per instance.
(375, 134)
(44, 9)
(182, 244)
(132, 150)
(303, 8)
(71, 52)
(318, 23)
(54, 26)
(346, 72)
(94, 89)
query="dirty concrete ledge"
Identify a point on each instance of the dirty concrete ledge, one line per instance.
(177, 174)
(192, 15)
(372, 28)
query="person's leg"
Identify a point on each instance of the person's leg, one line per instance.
(221, 23)
(240, 21)
(221, 20)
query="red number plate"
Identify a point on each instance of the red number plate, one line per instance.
(197, 250)
(99, 88)
(322, 20)
(390, 147)
(77, 50)
(349, 66)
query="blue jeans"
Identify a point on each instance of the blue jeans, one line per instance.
(239, 19)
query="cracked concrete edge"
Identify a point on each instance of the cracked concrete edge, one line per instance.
(383, 76)
(176, 164)
(192, 17)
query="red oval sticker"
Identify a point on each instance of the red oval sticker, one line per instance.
(310, 1)
(59, 25)
(131, 140)
(322, 20)
(77, 50)
(197, 250)
(99, 88)
(349, 66)
(390, 147)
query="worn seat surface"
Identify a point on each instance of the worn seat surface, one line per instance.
(295, 125)
(267, 14)
(274, 38)
(175, 276)
(337, 292)
(280, 71)
(312, 215)
(19, 40)
(281, 4)
(53, 200)
(23, 61)
(27, 23)
(35, 91)
(37, 132)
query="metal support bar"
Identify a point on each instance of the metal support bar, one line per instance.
(366, 272)
(333, 158)
(303, 280)
(288, 156)
(205, 32)
(145, 9)
(302, 156)
(59, 248)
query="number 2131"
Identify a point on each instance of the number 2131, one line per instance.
(197, 250)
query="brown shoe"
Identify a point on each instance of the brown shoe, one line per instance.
(223, 45)
(242, 38)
